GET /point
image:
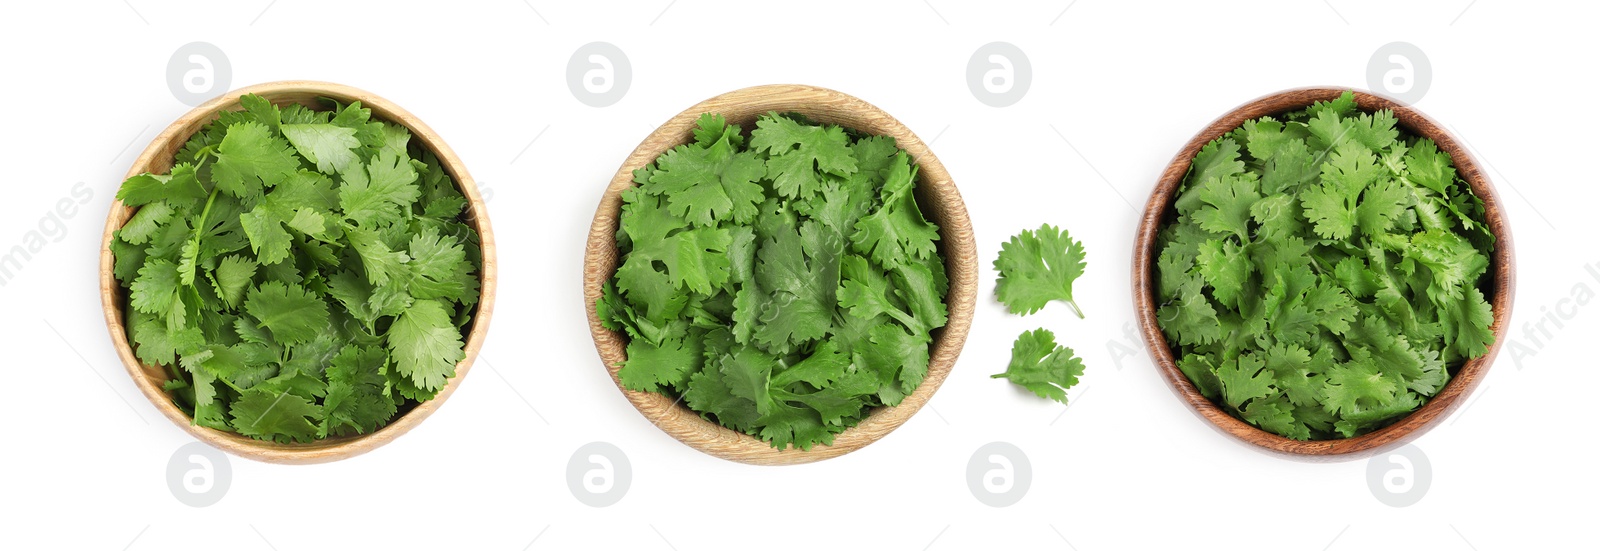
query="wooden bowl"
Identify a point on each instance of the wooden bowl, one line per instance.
(158, 159)
(1145, 280)
(936, 194)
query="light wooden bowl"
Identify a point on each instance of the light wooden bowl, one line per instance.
(158, 159)
(1501, 286)
(936, 194)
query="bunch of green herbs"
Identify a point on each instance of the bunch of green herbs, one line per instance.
(1324, 273)
(299, 273)
(781, 284)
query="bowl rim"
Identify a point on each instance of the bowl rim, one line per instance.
(957, 245)
(333, 448)
(1502, 269)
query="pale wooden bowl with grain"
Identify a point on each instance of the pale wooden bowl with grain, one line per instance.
(158, 159)
(1501, 272)
(936, 195)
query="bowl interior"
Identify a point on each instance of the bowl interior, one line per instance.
(158, 158)
(1466, 377)
(936, 195)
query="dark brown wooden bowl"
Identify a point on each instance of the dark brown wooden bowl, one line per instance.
(1501, 269)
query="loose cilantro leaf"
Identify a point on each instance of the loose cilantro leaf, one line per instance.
(1037, 267)
(782, 284)
(300, 304)
(1328, 295)
(1041, 366)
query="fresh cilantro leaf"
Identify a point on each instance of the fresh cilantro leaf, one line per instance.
(279, 416)
(799, 154)
(426, 345)
(250, 157)
(1041, 366)
(1243, 379)
(705, 184)
(331, 147)
(1037, 267)
(290, 312)
(653, 368)
(1227, 205)
(373, 195)
(355, 402)
(897, 232)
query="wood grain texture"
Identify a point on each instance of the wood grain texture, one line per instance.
(158, 159)
(936, 194)
(1501, 286)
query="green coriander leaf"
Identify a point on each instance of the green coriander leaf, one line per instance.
(331, 147)
(1226, 268)
(234, 273)
(1037, 267)
(1041, 366)
(355, 402)
(250, 157)
(270, 242)
(1353, 385)
(896, 231)
(798, 152)
(380, 262)
(143, 225)
(292, 314)
(1244, 380)
(653, 368)
(425, 344)
(1227, 205)
(282, 416)
(712, 183)
(1430, 168)
(373, 195)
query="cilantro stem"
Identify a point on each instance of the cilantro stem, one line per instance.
(1075, 309)
(204, 213)
(172, 369)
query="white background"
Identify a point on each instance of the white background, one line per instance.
(1126, 83)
